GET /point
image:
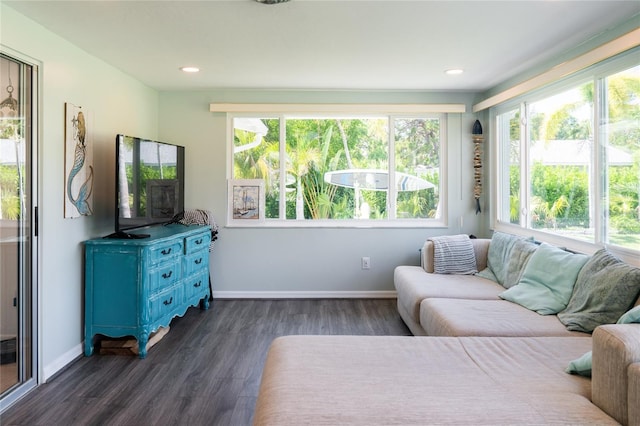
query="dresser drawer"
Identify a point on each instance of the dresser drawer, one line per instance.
(162, 252)
(196, 285)
(196, 262)
(166, 302)
(165, 275)
(197, 242)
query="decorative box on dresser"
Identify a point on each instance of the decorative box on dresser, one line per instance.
(135, 286)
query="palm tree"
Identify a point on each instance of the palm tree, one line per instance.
(318, 193)
(300, 158)
(548, 212)
(253, 163)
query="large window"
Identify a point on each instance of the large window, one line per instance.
(569, 158)
(342, 169)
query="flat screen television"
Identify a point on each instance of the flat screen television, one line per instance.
(149, 184)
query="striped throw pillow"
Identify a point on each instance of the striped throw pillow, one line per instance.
(453, 254)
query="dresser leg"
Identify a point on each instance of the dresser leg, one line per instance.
(204, 303)
(143, 339)
(88, 345)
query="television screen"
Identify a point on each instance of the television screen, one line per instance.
(149, 182)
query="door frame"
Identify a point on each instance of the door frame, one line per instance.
(35, 227)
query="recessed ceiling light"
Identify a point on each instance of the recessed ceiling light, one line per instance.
(454, 71)
(190, 69)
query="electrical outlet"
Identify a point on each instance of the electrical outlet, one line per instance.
(366, 263)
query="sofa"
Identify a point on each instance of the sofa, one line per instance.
(489, 360)
(475, 304)
(400, 380)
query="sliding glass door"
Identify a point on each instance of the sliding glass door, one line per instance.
(17, 229)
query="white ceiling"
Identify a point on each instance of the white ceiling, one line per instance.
(327, 44)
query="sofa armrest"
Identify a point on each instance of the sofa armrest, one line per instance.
(615, 348)
(634, 394)
(480, 247)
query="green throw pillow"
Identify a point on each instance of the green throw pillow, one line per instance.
(520, 254)
(488, 274)
(547, 281)
(581, 366)
(499, 254)
(632, 316)
(606, 288)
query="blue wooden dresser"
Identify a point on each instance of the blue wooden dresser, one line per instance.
(135, 286)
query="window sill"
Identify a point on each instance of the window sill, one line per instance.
(354, 223)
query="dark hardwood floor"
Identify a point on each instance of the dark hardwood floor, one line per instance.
(205, 371)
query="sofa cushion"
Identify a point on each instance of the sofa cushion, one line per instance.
(375, 380)
(547, 281)
(605, 289)
(413, 285)
(459, 317)
(453, 254)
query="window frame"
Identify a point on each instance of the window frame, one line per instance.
(597, 74)
(389, 112)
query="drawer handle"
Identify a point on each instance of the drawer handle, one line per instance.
(166, 251)
(168, 302)
(198, 284)
(165, 275)
(199, 241)
(198, 261)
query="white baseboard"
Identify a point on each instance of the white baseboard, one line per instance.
(304, 294)
(61, 362)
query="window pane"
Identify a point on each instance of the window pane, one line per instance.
(560, 150)
(335, 168)
(256, 155)
(621, 137)
(338, 168)
(417, 159)
(509, 141)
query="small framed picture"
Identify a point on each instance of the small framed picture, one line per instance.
(246, 201)
(162, 198)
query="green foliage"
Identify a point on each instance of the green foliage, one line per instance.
(420, 204)
(11, 129)
(10, 206)
(317, 193)
(148, 173)
(624, 199)
(416, 142)
(316, 146)
(626, 224)
(514, 194)
(9, 189)
(561, 196)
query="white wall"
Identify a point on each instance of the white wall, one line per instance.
(119, 104)
(250, 262)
